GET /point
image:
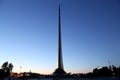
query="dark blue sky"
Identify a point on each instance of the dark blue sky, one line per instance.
(90, 34)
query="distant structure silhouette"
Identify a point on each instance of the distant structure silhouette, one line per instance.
(60, 70)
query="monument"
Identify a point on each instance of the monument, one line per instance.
(60, 69)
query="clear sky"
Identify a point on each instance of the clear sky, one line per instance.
(29, 34)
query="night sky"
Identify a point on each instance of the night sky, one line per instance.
(29, 34)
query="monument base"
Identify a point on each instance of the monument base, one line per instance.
(59, 72)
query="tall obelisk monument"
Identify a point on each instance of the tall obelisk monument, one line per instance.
(60, 70)
(60, 61)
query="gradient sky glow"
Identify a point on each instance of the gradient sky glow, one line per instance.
(29, 34)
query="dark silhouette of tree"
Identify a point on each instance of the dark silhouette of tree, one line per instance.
(6, 70)
(110, 71)
(10, 66)
(5, 66)
(105, 71)
(116, 71)
(95, 72)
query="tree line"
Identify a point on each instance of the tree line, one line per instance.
(103, 72)
(6, 70)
